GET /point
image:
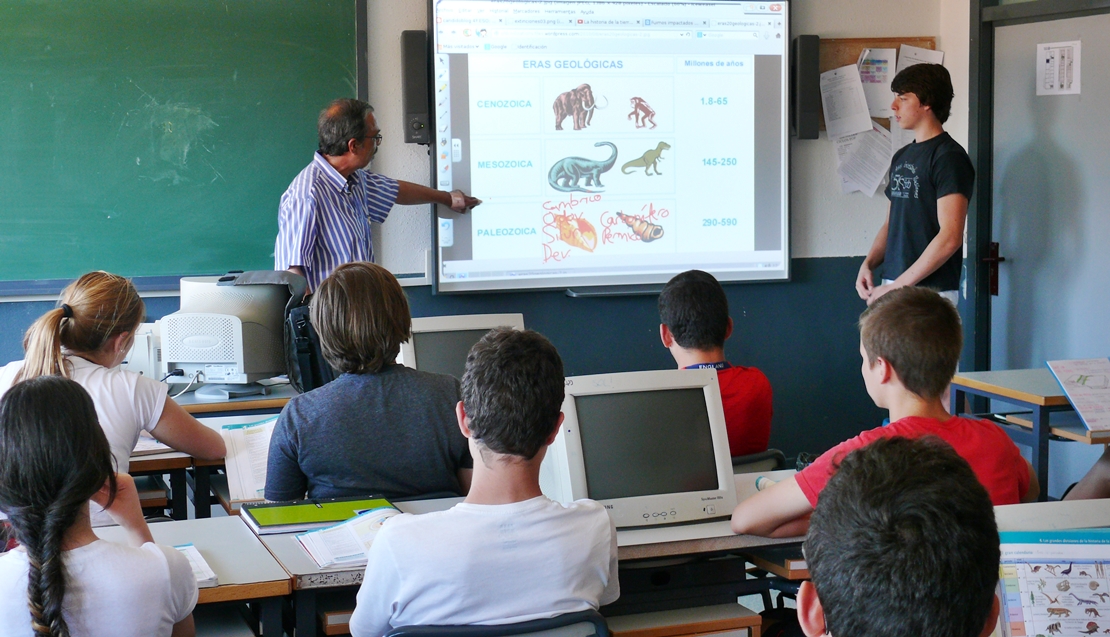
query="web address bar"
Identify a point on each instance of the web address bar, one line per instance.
(532, 33)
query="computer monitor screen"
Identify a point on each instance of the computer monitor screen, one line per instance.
(627, 455)
(650, 446)
(445, 352)
(439, 344)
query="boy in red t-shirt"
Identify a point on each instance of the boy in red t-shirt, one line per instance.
(694, 324)
(910, 342)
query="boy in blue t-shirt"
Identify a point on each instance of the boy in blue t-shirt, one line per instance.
(931, 182)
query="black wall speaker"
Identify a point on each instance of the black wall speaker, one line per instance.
(415, 80)
(805, 86)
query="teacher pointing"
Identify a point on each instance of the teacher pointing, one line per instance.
(325, 214)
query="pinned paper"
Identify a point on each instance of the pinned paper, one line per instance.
(910, 55)
(843, 102)
(899, 137)
(867, 162)
(1058, 68)
(876, 70)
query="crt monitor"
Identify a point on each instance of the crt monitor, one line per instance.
(650, 446)
(439, 344)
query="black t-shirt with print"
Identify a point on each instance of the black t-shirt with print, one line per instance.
(920, 174)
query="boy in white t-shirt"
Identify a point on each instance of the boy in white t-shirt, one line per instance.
(507, 553)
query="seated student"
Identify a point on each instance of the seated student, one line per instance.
(62, 579)
(910, 341)
(694, 324)
(380, 428)
(507, 554)
(903, 543)
(85, 338)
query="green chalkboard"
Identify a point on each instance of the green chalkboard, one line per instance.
(155, 137)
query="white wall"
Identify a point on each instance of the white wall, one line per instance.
(825, 222)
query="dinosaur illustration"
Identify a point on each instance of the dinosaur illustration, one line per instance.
(578, 104)
(1051, 600)
(1105, 597)
(1093, 612)
(1081, 601)
(1058, 612)
(1051, 569)
(568, 171)
(648, 160)
(1092, 628)
(642, 113)
(1067, 571)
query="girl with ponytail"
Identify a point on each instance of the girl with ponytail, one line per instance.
(63, 580)
(85, 339)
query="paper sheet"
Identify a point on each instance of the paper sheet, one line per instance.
(899, 136)
(910, 55)
(843, 102)
(1058, 68)
(844, 147)
(876, 70)
(1087, 385)
(867, 162)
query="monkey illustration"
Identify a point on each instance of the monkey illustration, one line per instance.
(642, 113)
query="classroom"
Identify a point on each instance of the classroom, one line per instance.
(803, 333)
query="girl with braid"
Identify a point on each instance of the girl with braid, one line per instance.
(63, 581)
(85, 339)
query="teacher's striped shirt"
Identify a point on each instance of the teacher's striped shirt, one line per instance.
(324, 219)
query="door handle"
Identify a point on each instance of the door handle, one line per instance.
(992, 260)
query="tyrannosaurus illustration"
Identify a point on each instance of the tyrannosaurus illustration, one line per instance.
(649, 160)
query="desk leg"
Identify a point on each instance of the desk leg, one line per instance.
(202, 492)
(179, 495)
(957, 398)
(1041, 432)
(271, 617)
(305, 609)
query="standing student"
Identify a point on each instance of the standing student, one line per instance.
(63, 579)
(86, 338)
(380, 428)
(931, 182)
(910, 342)
(694, 325)
(902, 544)
(506, 554)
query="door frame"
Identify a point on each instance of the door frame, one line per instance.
(986, 16)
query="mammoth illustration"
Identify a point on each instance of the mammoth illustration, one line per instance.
(578, 104)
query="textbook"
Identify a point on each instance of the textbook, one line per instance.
(1086, 383)
(248, 450)
(306, 515)
(147, 446)
(345, 545)
(206, 577)
(1055, 583)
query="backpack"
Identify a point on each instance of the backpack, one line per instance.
(304, 361)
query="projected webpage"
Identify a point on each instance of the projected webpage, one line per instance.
(611, 142)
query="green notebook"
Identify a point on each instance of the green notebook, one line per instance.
(305, 515)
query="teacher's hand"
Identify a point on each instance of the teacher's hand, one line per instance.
(461, 202)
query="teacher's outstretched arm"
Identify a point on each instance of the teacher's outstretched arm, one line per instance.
(410, 194)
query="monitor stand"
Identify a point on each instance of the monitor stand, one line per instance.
(228, 392)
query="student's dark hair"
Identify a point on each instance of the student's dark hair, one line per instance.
(92, 309)
(343, 120)
(512, 390)
(903, 543)
(53, 458)
(694, 307)
(918, 332)
(362, 316)
(932, 85)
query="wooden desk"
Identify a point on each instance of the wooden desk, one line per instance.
(1036, 389)
(273, 403)
(246, 570)
(640, 549)
(178, 465)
